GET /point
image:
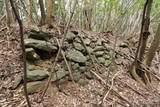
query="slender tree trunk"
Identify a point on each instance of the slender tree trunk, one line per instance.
(145, 30)
(153, 48)
(8, 13)
(43, 16)
(23, 50)
(87, 14)
(30, 15)
(50, 12)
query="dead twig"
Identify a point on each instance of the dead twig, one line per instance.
(110, 87)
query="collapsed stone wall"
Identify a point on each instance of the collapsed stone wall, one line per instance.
(41, 46)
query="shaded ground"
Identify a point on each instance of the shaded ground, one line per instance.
(74, 95)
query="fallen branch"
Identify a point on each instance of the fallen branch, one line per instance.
(68, 66)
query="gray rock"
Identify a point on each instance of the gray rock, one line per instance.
(92, 45)
(99, 53)
(106, 56)
(90, 50)
(40, 44)
(99, 42)
(70, 36)
(99, 48)
(17, 81)
(83, 82)
(40, 35)
(82, 69)
(102, 70)
(88, 75)
(76, 76)
(78, 46)
(63, 80)
(75, 66)
(87, 41)
(58, 75)
(123, 45)
(77, 40)
(35, 75)
(31, 54)
(107, 62)
(76, 56)
(34, 87)
(101, 60)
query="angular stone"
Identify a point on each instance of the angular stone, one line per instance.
(99, 48)
(99, 53)
(35, 75)
(76, 56)
(31, 54)
(70, 36)
(92, 45)
(82, 69)
(76, 76)
(78, 46)
(58, 75)
(17, 81)
(87, 41)
(101, 60)
(88, 75)
(107, 62)
(123, 45)
(40, 44)
(83, 82)
(40, 35)
(75, 66)
(34, 87)
(106, 56)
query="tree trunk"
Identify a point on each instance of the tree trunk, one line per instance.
(43, 16)
(50, 10)
(8, 13)
(30, 15)
(87, 14)
(153, 47)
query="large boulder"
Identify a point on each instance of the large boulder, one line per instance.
(40, 44)
(34, 87)
(35, 75)
(40, 35)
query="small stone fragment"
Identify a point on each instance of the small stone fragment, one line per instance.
(101, 60)
(31, 54)
(83, 82)
(17, 81)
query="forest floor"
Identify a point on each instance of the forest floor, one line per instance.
(72, 94)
